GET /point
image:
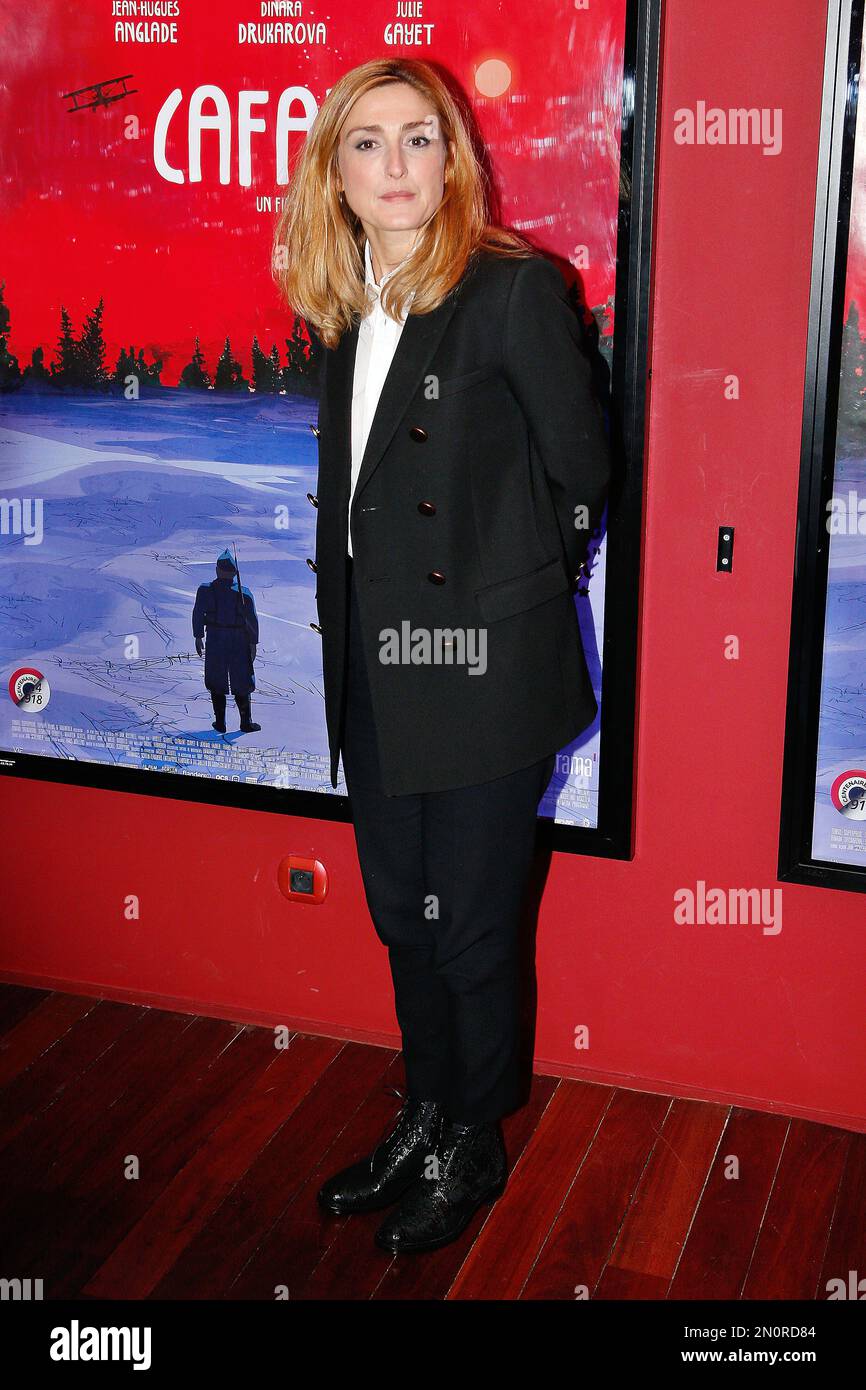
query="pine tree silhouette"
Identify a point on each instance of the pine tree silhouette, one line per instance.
(91, 350)
(152, 371)
(264, 377)
(79, 363)
(300, 375)
(37, 370)
(65, 371)
(297, 348)
(194, 376)
(229, 374)
(128, 365)
(124, 367)
(10, 373)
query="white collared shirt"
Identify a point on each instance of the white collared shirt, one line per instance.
(378, 336)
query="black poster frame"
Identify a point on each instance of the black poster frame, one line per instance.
(612, 837)
(835, 177)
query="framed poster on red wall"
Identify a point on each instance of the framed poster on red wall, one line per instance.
(156, 401)
(823, 812)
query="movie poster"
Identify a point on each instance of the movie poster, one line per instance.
(156, 398)
(839, 825)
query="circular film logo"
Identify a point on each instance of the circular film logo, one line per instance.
(29, 689)
(848, 794)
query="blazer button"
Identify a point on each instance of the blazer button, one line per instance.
(316, 628)
(426, 509)
(418, 434)
(313, 566)
(316, 432)
(314, 501)
(436, 577)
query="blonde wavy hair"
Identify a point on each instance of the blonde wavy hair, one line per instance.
(318, 250)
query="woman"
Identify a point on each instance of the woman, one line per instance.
(463, 465)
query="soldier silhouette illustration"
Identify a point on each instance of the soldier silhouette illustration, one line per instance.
(227, 611)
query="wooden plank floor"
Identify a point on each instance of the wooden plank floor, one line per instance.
(153, 1155)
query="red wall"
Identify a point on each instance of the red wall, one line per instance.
(727, 1012)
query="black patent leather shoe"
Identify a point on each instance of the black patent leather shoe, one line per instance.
(384, 1175)
(472, 1169)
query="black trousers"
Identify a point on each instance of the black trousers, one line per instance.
(445, 875)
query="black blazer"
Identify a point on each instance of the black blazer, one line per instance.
(486, 438)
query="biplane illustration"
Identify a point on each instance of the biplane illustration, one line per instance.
(100, 93)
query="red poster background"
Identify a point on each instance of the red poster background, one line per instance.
(86, 213)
